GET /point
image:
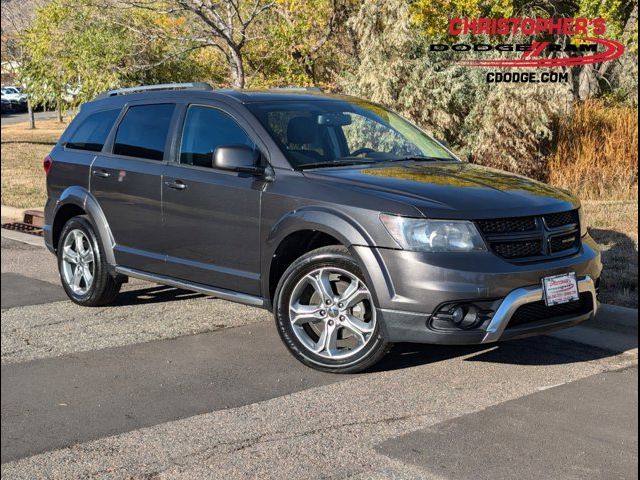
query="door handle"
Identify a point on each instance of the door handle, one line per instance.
(177, 185)
(101, 173)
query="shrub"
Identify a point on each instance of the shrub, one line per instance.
(597, 152)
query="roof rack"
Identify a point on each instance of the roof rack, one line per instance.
(298, 89)
(161, 86)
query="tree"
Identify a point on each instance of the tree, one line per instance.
(223, 25)
(16, 17)
(76, 49)
(503, 126)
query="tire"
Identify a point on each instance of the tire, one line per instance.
(103, 288)
(300, 296)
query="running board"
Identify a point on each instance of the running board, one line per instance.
(196, 287)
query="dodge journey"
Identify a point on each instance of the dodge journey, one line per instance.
(353, 226)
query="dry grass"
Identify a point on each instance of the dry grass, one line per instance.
(46, 131)
(597, 152)
(23, 181)
(614, 225)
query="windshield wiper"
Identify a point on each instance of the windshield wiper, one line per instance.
(419, 158)
(336, 163)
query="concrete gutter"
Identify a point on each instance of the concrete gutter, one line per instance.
(34, 240)
(614, 328)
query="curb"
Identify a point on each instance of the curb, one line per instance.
(614, 328)
(613, 315)
(23, 237)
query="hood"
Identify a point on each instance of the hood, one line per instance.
(452, 189)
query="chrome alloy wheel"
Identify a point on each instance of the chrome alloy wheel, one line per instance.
(78, 262)
(332, 313)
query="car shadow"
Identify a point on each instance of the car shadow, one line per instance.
(534, 351)
(155, 294)
(619, 283)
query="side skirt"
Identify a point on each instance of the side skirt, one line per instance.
(196, 287)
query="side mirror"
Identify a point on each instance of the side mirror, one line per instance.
(237, 158)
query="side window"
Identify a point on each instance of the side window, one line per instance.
(143, 131)
(93, 131)
(205, 129)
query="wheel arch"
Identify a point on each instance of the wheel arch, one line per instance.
(306, 229)
(79, 201)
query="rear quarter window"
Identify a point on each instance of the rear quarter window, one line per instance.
(93, 131)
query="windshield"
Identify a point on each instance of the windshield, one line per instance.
(314, 134)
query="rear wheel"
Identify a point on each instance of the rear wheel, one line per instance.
(83, 271)
(325, 313)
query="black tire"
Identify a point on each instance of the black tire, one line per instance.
(331, 256)
(104, 287)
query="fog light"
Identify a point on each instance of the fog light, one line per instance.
(461, 316)
(457, 315)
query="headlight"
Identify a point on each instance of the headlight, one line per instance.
(434, 235)
(583, 222)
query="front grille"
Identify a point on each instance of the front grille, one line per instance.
(533, 312)
(556, 220)
(505, 225)
(518, 249)
(534, 237)
(563, 242)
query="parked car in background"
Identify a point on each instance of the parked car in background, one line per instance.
(356, 228)
(6, 106)
(13, 99)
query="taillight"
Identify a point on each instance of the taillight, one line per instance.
(47, 163)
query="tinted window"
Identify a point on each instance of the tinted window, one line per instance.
(143, 131)
(321, 133)
(205, 129)
(93, 131)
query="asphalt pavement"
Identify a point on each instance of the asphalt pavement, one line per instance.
(172, 384)
(554, 433)
(19, 117)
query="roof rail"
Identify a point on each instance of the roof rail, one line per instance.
(298, 89)
(161, 86)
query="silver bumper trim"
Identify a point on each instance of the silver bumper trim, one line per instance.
(522, 296)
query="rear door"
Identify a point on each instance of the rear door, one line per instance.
(211, 216)
(127, 183)
(84, 141)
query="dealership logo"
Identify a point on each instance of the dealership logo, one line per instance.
(590, 49)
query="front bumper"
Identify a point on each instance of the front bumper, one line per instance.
(522, 296)
(415, 328)
(409, 288)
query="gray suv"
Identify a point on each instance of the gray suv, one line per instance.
(354, 227)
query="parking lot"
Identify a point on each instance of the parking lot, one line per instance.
(20, 117)
(172, 384)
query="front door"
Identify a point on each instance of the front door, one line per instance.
(127, 183)
(211, 216)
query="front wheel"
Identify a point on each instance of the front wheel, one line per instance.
(325, 313)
